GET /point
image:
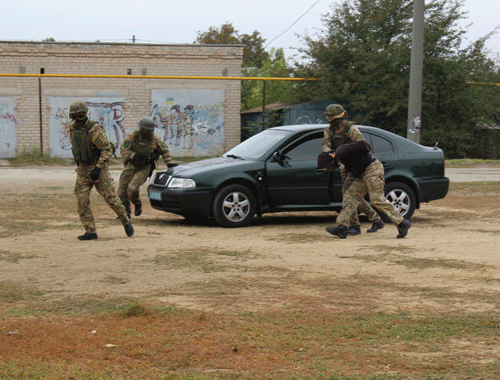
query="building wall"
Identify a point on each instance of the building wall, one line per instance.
(110, 59)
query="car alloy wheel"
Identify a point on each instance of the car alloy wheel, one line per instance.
(234, 206)
(401, 197)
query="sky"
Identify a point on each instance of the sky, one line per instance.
(178, 22)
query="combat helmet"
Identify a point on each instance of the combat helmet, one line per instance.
(336, 110)
(78, 108)
(147, 124)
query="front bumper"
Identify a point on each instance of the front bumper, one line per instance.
(180, 201)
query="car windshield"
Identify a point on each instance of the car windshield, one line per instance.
(254, 147)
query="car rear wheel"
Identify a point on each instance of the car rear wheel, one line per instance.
(401, 197)
(234, 206)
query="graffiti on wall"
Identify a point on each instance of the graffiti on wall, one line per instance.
(8, 127)
(191, 122)
(107, 111)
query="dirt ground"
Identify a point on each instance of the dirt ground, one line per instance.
(278, 261)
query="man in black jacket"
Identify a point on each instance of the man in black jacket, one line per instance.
(369, 178)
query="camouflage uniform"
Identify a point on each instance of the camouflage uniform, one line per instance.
(333, 138)
(135, 175)
(368, 175)
(371, 182)
(93, 152)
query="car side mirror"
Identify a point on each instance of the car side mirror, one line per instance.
(276, 157)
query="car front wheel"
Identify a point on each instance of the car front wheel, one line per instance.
(234, 206)
(401, 197)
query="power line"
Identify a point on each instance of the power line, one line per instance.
(292, 24)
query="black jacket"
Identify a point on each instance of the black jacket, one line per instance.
(355, 156)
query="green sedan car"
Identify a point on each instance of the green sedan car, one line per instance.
(276, 170)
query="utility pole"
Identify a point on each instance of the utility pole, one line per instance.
(416, 72)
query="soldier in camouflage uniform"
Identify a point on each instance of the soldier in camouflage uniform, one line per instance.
(337, 133)
(368, 175)
(141, 149)
(92, 151)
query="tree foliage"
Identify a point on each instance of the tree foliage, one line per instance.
(256, 63)
(274, 66)
(362, 58)
(253, 52)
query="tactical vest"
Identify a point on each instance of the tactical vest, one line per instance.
(341, 138)
(142, 146)
(84, 151)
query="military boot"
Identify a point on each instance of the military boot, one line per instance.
(340, 231)
(378, 225)
(88, 236)
(403, 228)
(354, 230)
(138, 209)
(129, 230)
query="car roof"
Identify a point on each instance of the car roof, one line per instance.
(302, 128)
(312, 127)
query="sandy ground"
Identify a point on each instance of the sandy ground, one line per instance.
(450, 248)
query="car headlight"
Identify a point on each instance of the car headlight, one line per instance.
(180, 183)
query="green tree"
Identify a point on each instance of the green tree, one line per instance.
(363, 59)
(253, 52)
(275, 66)
(256, 63)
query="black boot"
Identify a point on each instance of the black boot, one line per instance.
(138, 209)
(354, 230)
(129, 230)
(403, 228)
(340, 231)
(88, 236)
(378, 225)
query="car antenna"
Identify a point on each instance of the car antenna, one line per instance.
(437, 141)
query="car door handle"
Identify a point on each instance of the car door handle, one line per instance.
(319, 171)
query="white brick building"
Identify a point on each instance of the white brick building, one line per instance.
(196, 117)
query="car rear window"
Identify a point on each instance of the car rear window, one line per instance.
(379, 144)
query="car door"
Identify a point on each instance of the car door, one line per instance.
(293, 176)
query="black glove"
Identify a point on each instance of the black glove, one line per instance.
(96, 172)
(171, 165)
(140, 160)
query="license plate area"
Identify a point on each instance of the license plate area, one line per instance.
(154, 195)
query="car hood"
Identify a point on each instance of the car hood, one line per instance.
(190, 169)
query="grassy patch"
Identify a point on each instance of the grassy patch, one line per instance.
(145, 343)
(471, 163)
(114, 280)
(202, 259)
(14, 257)
(294, 238)
(492, 187)
(399, 255)
(12, 292)
(425, 263)
(35, 157)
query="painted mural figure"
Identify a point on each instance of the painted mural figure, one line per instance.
(187, 126)
(192, 120)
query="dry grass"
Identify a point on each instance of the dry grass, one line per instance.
(361, 326)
